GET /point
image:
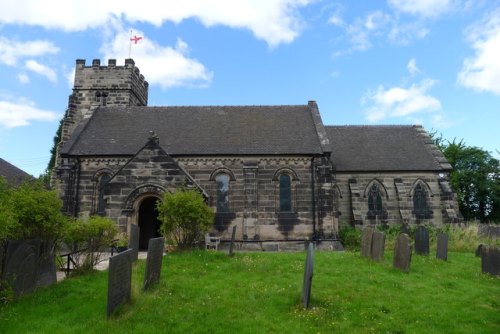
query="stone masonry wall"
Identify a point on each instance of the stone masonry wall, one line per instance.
(397, 189)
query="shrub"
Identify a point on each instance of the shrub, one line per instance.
(185, 217)
(36, 212)
(350, 237)
(92, 237)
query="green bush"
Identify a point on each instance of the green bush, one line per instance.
(35, 212)
(185, 217)
(93, 236)
(350, 237)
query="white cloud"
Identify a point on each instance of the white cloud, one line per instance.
(412, 67)
(364, 31)
(274, 21)
(161, 65)
(11, 51)
(23, 78)
(397, 102)
(425, 8)
(70, 77)
(482, 71)
(21, 113)
(41, 69)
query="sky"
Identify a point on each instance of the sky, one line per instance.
(429, 62)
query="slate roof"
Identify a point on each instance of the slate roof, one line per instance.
(224, 130)
(384, 148)
(13, 175)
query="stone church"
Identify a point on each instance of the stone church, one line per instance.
(276, 172)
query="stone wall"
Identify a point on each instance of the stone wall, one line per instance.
(397, 190)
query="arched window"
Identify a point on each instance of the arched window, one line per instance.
(285, 193)
(101, 98)
(375, 207)
(101, 204)
(420, 205)
(222, 181)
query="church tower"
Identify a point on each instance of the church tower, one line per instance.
(98, 85)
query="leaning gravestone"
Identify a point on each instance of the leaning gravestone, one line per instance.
(442, 247)
(308, 275)
(134, 241)
(366, 241)
(154, 262)
(421, 241)
(490, 260)
(231, 246)
(21, 265)
(378, 244)
(402, 253)
(119, 280)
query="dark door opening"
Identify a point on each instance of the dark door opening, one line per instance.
(149, 224)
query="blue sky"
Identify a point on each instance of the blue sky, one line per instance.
(429, 62)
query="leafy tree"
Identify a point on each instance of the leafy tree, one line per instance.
(475, 179)
(8, 223)
(36, 212)
(185, 217)
(47, 174)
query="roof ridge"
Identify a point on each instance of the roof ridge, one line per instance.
(209, 106)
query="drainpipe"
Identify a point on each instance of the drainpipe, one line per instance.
(75, 209)
(313, 180)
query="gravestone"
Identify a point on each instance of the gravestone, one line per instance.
(402, 253)
(366, 241)
(490, 260)
(421, 241)
(21, 265)
(231, 246)
(442, 247)
(308, 275)
(119, 280)
(3, 244)
(154, 262)
(479, 249)
(482, 230)
(133, 241)
(404, 229)
(378, 244)
(46, 272)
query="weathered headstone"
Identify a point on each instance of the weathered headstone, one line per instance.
(421, 241)
(21, 265)
(479, 249)
(46, 272)
(378, 244)
(490, 260)
(133, 241)
(231, 246)
(404, 229)
(442, 246)
(119, 280)
(366, 241)
(308, 275)
(154, 262)
(402, 253)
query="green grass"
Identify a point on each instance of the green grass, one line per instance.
(208, 292)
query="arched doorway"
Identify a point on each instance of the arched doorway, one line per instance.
(149, 224)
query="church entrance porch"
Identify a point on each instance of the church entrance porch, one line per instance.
(149, 225)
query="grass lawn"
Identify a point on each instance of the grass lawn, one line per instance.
(208, 292)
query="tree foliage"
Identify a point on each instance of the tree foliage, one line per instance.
(185, 217)
(30, 211)
(475, 179)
